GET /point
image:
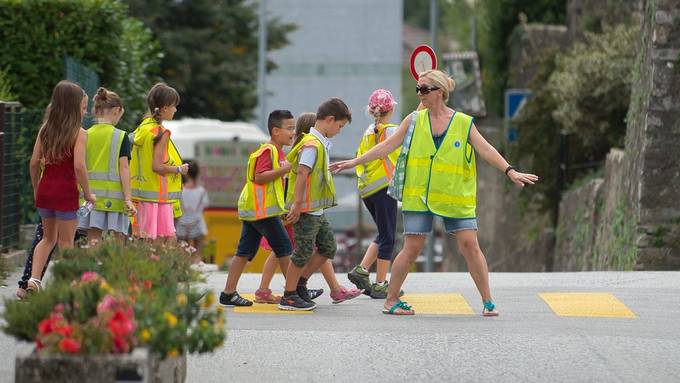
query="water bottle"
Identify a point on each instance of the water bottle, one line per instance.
(85, 209)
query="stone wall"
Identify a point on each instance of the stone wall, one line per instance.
(577, 227)
(653, 139)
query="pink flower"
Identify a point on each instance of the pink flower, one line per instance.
(106, 304)
(89, 276)
(69, 345)
(154, 257)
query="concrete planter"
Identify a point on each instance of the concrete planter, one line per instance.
(138, 366)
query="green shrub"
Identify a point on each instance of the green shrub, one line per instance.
(37, 35)
(5, 87)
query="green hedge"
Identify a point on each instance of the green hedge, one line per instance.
(36, 35)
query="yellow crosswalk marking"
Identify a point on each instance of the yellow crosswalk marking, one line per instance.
(587, 305)
(264, 308)
(440, 304)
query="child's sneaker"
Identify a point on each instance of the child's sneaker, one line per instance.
(315, 293)
(344, 294)
(359, 277)
(295, 303)
(303, 293)
(266, 296)
(234, 299)
(379, 290)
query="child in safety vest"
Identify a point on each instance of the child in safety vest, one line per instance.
(311, 190)
(373, 179)
(60, 145)
(156, 168)
(261, 205)
(264, 294)
(108, 153)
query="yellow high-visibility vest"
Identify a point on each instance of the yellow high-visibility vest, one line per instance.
(261, 201)
(103, 171)
(442, 181)
(145, 183)
(375, 175)
(319, 189)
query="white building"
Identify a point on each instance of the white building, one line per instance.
(342, 49)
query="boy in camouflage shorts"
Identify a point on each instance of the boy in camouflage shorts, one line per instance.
(310, 191)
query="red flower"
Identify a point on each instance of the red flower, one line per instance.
(120, 325)
(120, 345)
(39, 345)
(66, 331)
(69, 345)
(46, 326)
(147, 284)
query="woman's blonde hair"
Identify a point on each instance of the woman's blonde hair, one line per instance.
(62, 121)
(105, 100)
(441, 80)
(304, 123)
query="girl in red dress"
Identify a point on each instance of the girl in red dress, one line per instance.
(60, 146)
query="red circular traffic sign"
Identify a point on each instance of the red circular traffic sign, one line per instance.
(423, 58)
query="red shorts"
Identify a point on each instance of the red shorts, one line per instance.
(289, 229)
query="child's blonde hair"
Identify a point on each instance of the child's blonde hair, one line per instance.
(304, 123)
(441, 80)
(62, 121)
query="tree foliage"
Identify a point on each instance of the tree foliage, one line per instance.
(496, 21)
(584, 92)
(210, 52)
(37, 35)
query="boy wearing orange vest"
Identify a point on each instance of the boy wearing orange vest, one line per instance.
(261, 204)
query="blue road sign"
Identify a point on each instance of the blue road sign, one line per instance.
(514, 101)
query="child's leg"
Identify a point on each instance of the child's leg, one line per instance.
(29, 257)
(268, 271)
(238, 264)
(329, 275)
(247, 248)
(66, 233)
(94, 236)
(198, 245)
(44, 247)
(386, 220)
(370, 256)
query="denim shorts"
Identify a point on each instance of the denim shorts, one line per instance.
(270, 228)
(420, 223)
(58, 214)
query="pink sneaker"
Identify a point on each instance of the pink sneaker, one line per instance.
(266, 296)
(344, 294)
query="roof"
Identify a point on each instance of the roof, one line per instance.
(188, 131)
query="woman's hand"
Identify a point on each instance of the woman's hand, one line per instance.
(339, 166)
(520, 179)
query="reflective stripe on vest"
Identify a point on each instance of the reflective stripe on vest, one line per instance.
(261, 201)
(145, 183)
(103, 167)
(441, 180)
(319, 187)
(375, 175)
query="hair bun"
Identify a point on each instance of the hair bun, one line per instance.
(101, 94)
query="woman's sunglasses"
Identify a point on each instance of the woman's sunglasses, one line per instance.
(425, 89)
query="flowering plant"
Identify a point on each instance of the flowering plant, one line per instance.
(121, 298)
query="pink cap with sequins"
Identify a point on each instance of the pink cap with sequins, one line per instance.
(381, 101)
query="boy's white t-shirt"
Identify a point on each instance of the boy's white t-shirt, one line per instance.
(308, 158)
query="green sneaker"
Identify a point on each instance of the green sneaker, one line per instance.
(379, 290)
(359, 277)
